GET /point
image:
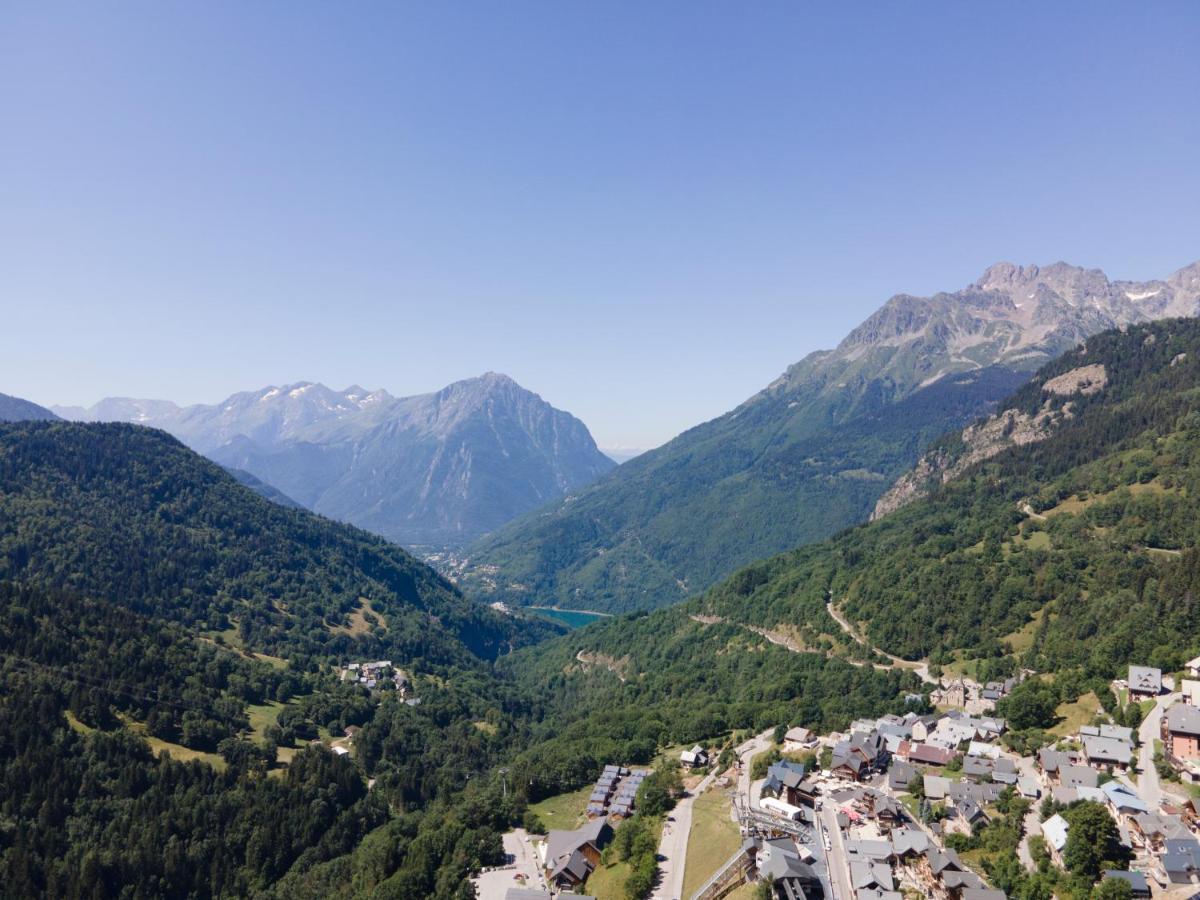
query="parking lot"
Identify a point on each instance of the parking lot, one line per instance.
(522, 861)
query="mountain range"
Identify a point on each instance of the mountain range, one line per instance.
(812, 452)
(430, 471)
(175, 657)
(176, 648)
(14, 409)
(1074, 554)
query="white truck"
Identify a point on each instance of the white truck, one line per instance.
(781, 809)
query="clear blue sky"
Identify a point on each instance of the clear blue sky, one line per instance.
(642, 211)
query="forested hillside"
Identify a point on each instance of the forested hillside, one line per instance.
(152, 602)
(1075, 553)
(128, 514)
(87, 806)
(128, 766)
(634, 540)
(811, 453)
(168, 645)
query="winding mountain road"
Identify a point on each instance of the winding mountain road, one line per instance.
(920, 668)
(782, 640)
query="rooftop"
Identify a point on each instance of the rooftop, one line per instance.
(1183, 719)
(1054, 830)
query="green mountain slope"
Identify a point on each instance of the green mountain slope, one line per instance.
(87, 806)
(124, 552)
(1074, 553)
(133, 571)
(812, 453)
(150, 746)
(128, 514)
(668, 523)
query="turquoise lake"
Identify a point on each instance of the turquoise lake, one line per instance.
(572, 618)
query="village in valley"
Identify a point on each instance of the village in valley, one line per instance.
(901, 807)
(381, 675)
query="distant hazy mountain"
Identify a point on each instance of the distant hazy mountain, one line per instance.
(14, 409)
(260, 487)
(434, 470)
(621, 454)
(811, 453)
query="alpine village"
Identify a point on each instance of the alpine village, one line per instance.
(902, 601)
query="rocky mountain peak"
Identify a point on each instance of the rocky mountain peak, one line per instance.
(1072, 283)
(1186, 280)
(1013, 316)
(489, 384)
(433, 468)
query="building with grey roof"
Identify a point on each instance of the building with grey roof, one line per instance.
(1180, 860)
(1181, 735)
(1138, 886)
(1064, 795)
(874, 851)
(981, 768)
(1078, 776)
(1103, 752)
(982, 793)
(866, 874)
(943, 860)
(1183, 718)
(961, 880)
(1118, 732)
(900, 775)
(1122, 799)
(780, 860)
(783, 779)
(936, 787)
(516, 893)
(1153, 829)
(909, 842)
(1054, 830)
(1052, 761)
(570, 856)
(1145, 681)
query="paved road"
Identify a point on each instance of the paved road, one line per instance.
(746, 753)
(1148, 786)
(672, 847)
(1033, 821)
(836, 859)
